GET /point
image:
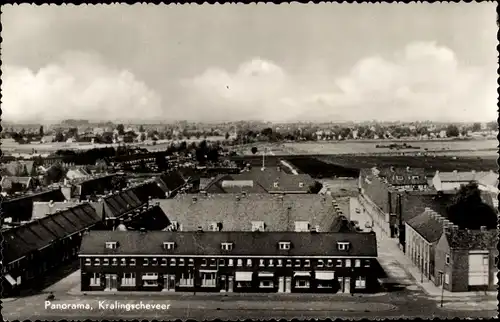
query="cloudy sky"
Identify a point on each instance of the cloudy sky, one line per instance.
(312, 62)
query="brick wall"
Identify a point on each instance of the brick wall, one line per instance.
(442, 248)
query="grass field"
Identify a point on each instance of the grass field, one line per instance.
(486, 147)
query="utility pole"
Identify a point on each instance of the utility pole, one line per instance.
(442, 286)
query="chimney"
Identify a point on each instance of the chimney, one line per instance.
(200, 229)
(473, 171)
(407, 169)
(278, 168)
(483, 228)
(392, 169)
(455, 171)
(195, 199)
(142, 230)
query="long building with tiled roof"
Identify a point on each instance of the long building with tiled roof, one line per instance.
(229, 261)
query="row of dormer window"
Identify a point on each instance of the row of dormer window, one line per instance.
(227, 262)
(228, 246)
(300, 226)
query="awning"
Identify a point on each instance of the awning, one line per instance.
(208, 271)
(325, 275)
(266, 274)
(10, 279)
(243, 276)
(302, 274)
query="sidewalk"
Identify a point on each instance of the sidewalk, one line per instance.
(389, 249)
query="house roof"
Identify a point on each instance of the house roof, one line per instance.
(404, 176)
(236, 212)
(489, 178)
(24, 239)
(173, 180)
(21, 208)
(427, 225)
(467, 176)
(152, 219)
(244, 243)
(146, 190)
(342, 225)
(44, 208)
(472, 239)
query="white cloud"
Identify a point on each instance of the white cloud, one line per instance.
(77, 85)
(422, 81)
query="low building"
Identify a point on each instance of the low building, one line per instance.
(465, 260)
(17, 184)
(229, 262)
(443, 181)
(20, 208)
(31, 250)
(403, 179)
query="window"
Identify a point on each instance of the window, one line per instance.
(367, 263)
(181, 262)
(300, 283)
(191, 262)
(347, 263)
(288, 263)
(249, 263)
(297, 263)
(154, 261)
(276, 184)
(301, 184)
(204, 262)
(485, 260)
(150, 279)
(173, 262)
(399, 178)
(447, 259)
(271, 262)
(213, 262)
(321, 263)
(357, 263)
(240, 262)
(222, 262)
(415, 177)
(215, 226)
(343, 245)
(123, 262)
(105, 262)
(88, 262)
(307, 263)
(261, 264)
(266, 284)
(360, 282)
(186, 279)
(97, 262)
(208, 279)
(95, 279)
(226, 246)
(284, 245)
(280, 263)
(146, 262)
(163, 262)
(230, 262)
(339, 263)
(128, 279)
(132, 262)
(111, 245)
(447, 278)
(258, 226)
(329, 263)
(114, 261)
(168, 245)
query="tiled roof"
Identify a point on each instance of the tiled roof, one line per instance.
(342, 225)
(427, 225)
(489, 178)
(244, 243)
(152, 219)
(173, 180)
(22, 180)
(472, 239)
(43, 208)
(148, 189)
(22, 240)
(236, 212)
(21, 208)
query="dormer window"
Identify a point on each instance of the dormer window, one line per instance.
(276, 184)
(215, 226)
(169, 245)
(343, 245)
(301, 226)
(111, 245)
(258, 226)
(399, 178)
(415, 177)
(301, 185)
(226, 246)
(284, 245)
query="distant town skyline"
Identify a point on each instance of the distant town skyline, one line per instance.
(278, 63)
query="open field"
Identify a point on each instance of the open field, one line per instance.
(487, 147)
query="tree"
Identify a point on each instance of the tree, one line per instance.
(476, 127)
(226, 136)
(452, 131)
(468, 201)
(315, 187)
(40, 131)
(254, 150)
(121, 129)
(161, 162)
(55, 173)
(141, 129)
(267, 132)
(59, 137)
(143, 136)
